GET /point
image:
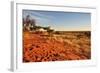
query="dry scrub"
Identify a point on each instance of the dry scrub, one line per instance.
(38, 47)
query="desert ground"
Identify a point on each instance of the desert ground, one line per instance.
(58, 46)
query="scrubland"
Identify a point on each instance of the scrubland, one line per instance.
(57, 46)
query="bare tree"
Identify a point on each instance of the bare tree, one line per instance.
(27, 21)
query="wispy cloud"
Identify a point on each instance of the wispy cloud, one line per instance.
(39, 17)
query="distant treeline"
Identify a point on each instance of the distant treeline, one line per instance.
(87, 33)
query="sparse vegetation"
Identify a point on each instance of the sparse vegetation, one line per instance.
(39, 48)
(46, 44)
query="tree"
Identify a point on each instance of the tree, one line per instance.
(27, 20)
(50, 31)
(33, 22)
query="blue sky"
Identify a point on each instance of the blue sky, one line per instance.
(61, 21)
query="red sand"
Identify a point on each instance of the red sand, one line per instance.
(39, 48)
